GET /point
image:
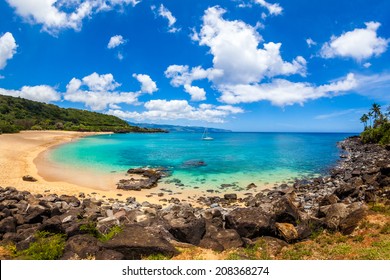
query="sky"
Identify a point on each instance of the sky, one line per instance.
(243, 65)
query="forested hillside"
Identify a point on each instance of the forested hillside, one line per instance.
(21, 114)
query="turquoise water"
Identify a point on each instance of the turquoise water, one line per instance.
(262, 158)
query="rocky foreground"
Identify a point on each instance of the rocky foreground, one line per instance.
(288, 213)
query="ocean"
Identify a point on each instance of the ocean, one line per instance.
(231, 158)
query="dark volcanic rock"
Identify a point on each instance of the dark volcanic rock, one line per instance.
(329, 199)
(228, 238)
(135, 242)
(285, 211)
(53, 224)
(150, 180)
(71, 200)
(349, 223)
(193, 163)
(183, 224)
(82, 247)
(109, 255)
(29, 178)
(344, 191)
(334, 214)
(8, 225)
(230, 196)
(36, 214)
(248, 222)
(210, 243)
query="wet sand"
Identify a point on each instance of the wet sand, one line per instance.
(26, 153)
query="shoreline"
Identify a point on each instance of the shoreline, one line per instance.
(336, 203)
(25, 153)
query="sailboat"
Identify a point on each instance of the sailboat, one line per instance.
(205, 135)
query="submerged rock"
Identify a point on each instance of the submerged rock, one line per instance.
(193, 163)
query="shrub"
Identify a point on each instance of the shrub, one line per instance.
(379, 134)
(47, 246)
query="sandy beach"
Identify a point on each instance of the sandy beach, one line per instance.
(25, 153)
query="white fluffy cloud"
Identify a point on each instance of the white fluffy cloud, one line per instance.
(147, 84)
(234, 45)
(181, 75)
(178, 109)
(99, 91)
(238, 64)
(273, 9)
(310, 42)
(359, 44)
(116, 41)
(42, 93)
(55, 15)
(98, 82)
(167, 14)
(281, 92)
(7, 48)
(197, 93)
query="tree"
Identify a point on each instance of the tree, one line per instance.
(376, 110)
(364, 120)
(370, 118)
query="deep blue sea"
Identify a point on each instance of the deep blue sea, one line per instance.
(262, 158)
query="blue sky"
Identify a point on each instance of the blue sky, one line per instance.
(244, 65)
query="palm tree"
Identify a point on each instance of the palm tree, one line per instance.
(370, 117)
(364, 120)
(376, 110)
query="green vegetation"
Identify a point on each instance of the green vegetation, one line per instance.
(380, 208)
(156, 257)
(47, 246)
(298, 251)
(91, 229)
(18, 114)
(378, 130)
(257, 251)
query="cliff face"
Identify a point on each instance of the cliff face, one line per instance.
(288, 213)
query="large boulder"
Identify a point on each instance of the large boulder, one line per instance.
(8, 225)
(350, 222)
(285, 211)
(287, 231)
(343, 217)
(36, 214)
(249, 222)
(71, 200)
(344, 191)
(135, 242)
(228, 238)
(334, 214)
(81, 247)
(53, 224)
(183, 224)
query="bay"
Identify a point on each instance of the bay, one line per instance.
(238, 158)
